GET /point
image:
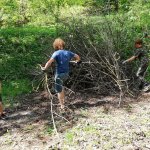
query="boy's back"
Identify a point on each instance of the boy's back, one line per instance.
(62, 58)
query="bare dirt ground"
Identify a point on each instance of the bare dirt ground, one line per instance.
(90, 122)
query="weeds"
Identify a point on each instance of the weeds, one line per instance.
(11, 89)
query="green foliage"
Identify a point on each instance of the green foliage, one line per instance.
(139, 14)
(13, 88)
(23, 48)
(47, 12)
(38, 12)
(8, 12)
(16, 87)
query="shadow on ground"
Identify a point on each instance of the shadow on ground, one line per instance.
(35, 109)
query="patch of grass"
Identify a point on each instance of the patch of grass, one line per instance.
(28, 30)
(11, 89)
(22, 49)
(49, 130)
(69, 136)
(28, 128)
(90, 129)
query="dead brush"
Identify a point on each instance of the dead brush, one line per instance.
(103, 42)
(45, 80)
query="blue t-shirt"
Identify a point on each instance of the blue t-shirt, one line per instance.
(62, 58)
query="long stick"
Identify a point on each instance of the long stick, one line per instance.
(51, 98)
(86, 62)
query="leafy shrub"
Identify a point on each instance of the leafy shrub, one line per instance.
(23, 48)
(13, 88)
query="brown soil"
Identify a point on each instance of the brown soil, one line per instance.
(89, 122)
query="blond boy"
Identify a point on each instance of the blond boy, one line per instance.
(62, 58)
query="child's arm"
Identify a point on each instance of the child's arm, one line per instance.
(77, 59)
(48, 64)
(130, 59)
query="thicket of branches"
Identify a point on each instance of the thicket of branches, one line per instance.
(100, 32)
(102, 47)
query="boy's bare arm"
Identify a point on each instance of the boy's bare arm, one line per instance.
(48, 64)
(130, 59)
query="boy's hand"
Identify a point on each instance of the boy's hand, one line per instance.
(78, 62)
(43, 68)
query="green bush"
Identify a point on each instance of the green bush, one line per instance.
(23, 48)
(13, 88)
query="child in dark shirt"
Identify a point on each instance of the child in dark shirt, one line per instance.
(141, 55)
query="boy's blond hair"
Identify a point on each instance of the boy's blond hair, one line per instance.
(58, 44)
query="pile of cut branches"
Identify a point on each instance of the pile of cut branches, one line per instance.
(102, 47)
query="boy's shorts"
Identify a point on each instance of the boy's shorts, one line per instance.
(59, 81)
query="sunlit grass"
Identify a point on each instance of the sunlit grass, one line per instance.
(11, 89)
